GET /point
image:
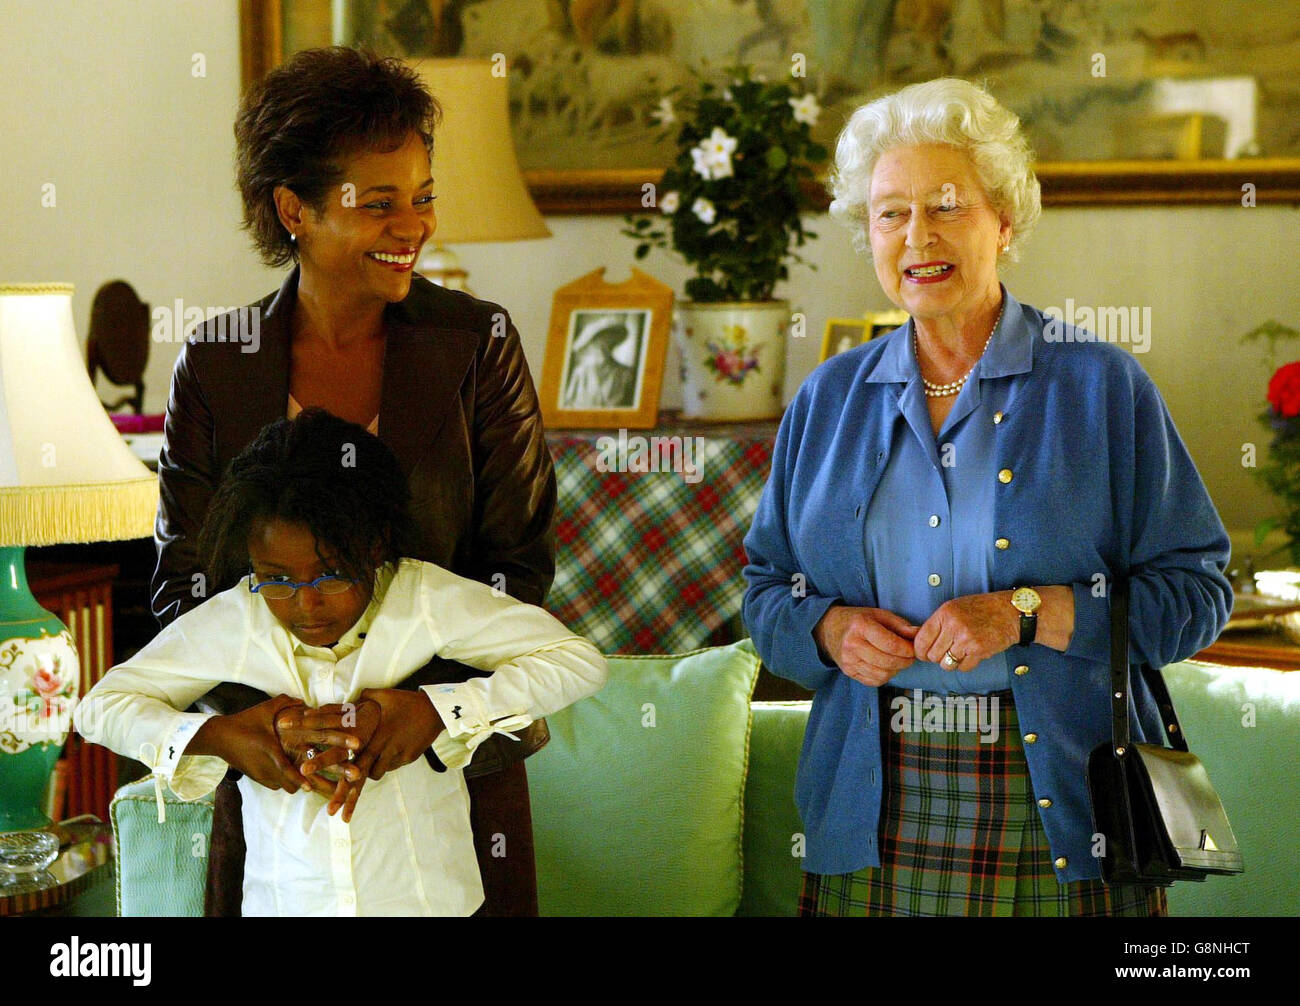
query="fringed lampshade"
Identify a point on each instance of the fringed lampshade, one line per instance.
(66, 475)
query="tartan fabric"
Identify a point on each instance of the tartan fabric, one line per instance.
(648, 562)
(961, 835)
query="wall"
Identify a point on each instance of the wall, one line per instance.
(101, 100)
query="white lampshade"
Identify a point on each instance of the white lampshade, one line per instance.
(481, 191)
(66, 474)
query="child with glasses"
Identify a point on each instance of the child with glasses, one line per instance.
(354, 802)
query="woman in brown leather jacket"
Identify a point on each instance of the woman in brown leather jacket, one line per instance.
(334, 152)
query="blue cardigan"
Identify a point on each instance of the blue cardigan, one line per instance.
(1103, 487)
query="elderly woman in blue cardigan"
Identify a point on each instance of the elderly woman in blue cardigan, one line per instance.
(947, 508)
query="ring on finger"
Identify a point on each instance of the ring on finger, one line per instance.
(949, 660)
(352, 755)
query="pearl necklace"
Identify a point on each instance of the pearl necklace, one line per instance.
(933, 390)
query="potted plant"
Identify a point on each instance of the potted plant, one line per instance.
(1281, 471)
(729, 205)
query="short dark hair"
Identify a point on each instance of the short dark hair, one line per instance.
(296, 125)
(318, 470)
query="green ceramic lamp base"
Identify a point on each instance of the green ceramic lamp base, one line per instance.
(39, 674)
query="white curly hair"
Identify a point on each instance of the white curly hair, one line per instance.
(948, 111)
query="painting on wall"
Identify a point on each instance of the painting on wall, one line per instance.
(1123, 100)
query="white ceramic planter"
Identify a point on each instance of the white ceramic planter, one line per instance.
(733, 358)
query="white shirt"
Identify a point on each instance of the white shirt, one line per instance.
(408, 849)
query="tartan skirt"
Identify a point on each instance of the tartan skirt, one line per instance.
(960, 834)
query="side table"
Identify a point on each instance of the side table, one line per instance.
(85, 858)
(649, 531)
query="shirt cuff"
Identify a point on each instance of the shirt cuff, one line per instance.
(467, 722)
(452, 753)
(188, 776)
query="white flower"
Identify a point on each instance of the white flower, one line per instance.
(712, 157)
(705, 210)
(703, 165)
(670, 202)
(720, 144)
(663, 113)
(722, 167)
(806, 109)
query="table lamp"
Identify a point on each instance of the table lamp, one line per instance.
(66, 475)
(481, 192)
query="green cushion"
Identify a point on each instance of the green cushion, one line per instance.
(1252, 769)
(773, 866)
(631, 818)
(161, 868)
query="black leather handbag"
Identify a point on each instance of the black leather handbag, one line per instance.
(1158, 814)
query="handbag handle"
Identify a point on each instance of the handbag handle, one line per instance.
(1119, 680)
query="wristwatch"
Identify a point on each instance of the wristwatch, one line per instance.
(1026, 601)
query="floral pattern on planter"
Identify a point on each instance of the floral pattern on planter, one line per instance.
(721, 345)
(732, 359)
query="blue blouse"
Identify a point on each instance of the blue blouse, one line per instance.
(1100, 485)
(929, 527)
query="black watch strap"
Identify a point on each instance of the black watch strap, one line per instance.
(1028, 628)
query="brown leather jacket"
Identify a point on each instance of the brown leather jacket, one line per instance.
(458, 408)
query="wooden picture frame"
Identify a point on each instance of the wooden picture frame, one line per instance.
(1186, 51)
(843, 334)
(605, 353)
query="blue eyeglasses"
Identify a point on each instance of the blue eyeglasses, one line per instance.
(280, 590)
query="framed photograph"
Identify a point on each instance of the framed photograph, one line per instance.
(880, 322)
(604, 363)
(1124, 101)
(842, 334)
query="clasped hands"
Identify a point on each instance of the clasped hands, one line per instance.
(872, 645)
(284, 744)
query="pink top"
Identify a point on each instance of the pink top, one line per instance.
(295, 408)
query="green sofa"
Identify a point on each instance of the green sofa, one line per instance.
(671, 793)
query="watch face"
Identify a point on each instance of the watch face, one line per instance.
(1026, 599)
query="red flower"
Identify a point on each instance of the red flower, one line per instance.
(1284, 390)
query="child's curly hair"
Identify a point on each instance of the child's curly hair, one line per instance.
(321, 471)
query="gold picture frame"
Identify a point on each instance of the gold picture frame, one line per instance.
(1183, 176)
(880, 322)
(605, 353)
(842, 334)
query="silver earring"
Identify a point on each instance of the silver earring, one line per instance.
(294, 238)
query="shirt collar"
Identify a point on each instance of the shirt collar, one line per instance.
(1011, 350)
(355, 636)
